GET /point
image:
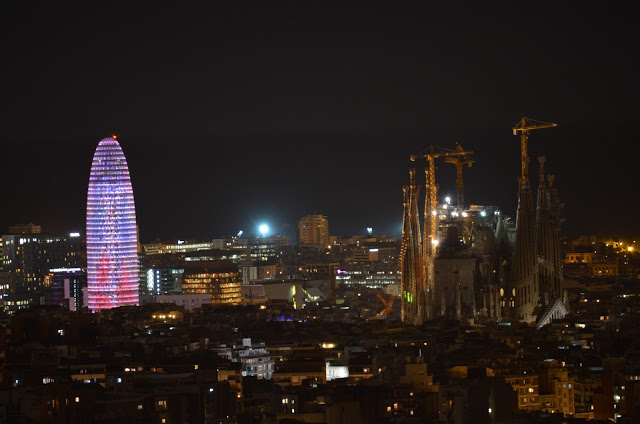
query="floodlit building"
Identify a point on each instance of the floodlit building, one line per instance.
(313, 231)
(112, 239)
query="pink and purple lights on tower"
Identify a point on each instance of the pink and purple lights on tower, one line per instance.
(112, 237)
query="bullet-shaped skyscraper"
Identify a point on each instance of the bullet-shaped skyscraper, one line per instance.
(112, 239)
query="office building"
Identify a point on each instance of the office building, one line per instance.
(112, 240)
(27, 258)
(219, 279)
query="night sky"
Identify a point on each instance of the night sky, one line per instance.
(239, 114)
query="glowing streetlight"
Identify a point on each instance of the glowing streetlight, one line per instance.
(264, 229)
(448, 200)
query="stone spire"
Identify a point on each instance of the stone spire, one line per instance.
(412, 265)
(555, 208)
(525, 275)
(544, 233)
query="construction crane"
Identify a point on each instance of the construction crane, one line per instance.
(387, 307)
(460, 159)
(523, 127)
(430, 232)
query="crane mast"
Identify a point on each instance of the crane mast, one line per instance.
(524, 126)
(460, 159)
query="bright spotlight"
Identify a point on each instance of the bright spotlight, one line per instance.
(448, 200)
(264, 229)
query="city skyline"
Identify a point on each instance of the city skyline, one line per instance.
(319, 212)
(274, 113)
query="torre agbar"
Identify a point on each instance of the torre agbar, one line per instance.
(112, 239)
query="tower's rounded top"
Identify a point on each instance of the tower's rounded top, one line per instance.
(109, 141)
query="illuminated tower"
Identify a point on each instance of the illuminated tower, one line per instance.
(112, 240)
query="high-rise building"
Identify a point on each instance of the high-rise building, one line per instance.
(313, 231)
(112, 240)
(27, 258)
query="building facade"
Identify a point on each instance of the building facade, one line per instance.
(313, 231)
(112, 239)
(67, 288)
(219, 279)
(25, 229)
(27, 258)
